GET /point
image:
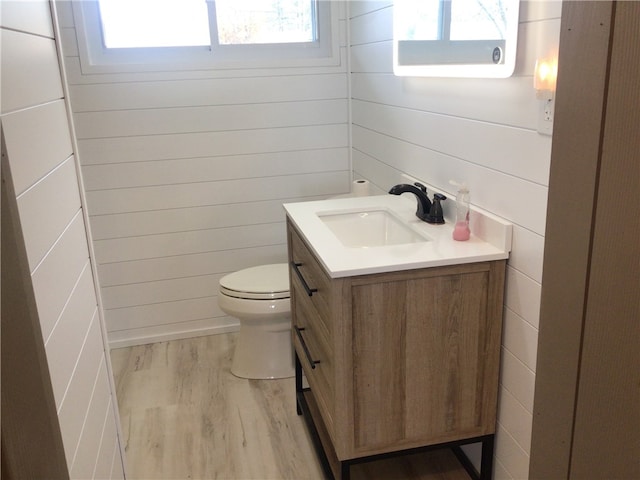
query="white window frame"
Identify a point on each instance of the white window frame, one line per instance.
(95, 58)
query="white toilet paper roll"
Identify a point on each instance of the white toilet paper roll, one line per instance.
(360, 188)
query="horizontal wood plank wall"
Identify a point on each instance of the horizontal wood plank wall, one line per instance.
(483, 132)
(43, 173)
(186, 173)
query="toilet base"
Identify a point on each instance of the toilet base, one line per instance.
(263, 353)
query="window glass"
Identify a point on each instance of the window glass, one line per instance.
(183, 23)
(154, 23)
(260, 21)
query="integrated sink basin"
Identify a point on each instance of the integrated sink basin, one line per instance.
(370, 228)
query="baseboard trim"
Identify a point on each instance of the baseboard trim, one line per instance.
(123, 339)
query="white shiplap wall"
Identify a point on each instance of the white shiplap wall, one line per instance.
(186, 173)
(483, 132)
(43, 173)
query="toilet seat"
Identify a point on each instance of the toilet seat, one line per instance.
(265, 282)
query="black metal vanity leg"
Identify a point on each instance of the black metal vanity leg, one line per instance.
(298, 370)
(345, 470)
(486, 463)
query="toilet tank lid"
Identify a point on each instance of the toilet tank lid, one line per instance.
(262, 279)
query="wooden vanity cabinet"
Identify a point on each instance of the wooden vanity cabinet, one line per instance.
(396, 361)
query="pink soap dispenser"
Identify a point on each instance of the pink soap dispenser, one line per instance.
(461, 231)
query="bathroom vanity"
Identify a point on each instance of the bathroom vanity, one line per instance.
(400, 352)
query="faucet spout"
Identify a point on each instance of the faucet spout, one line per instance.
(420, 191)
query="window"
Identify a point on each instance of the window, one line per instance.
(467, 38)
(150, 34)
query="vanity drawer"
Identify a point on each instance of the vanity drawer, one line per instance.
(309, 279)
(315, 354)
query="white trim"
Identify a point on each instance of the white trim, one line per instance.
(95, 59)
(126, 338)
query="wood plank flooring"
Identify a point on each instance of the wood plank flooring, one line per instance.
(185, 416)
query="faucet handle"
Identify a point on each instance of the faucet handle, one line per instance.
(421, 186)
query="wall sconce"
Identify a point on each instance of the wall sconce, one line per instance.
(544, 78)
(544, 82)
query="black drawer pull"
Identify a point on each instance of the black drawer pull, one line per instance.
(304, 347)
(310, 291)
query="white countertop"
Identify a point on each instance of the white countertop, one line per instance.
(490, 238)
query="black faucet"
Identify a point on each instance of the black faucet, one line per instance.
(420, 191)
(427, 212)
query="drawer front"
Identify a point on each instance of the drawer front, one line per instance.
(307, 274)
(315, 355)
(312, 335)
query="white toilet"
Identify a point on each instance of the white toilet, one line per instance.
(259, 298)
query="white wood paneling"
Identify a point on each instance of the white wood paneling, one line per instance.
(215, 193)
(492, 100)
(32, 16)
(372, 58)
(511, 150)
(56, 276)
(361, 7)
(40, 155)
(511, 456)
(39, 137)
(191, 170)
(520, 338)
(86, 455)
(534, 10)
(188, 219)
(205, 144)
(47, 208)
(210, 91)
(163, 313)
(107, 448)
(517, 379)
(30, 74)
(515, 419)
(187, 243)
(66, 340)
(522, 295)
(209, 119)
(161, 291)
(527, 200)
(75, 404)
(375, 27)
(188, 265)
(527, 253)
(117, 470)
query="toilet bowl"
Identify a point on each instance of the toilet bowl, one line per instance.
(259, 298)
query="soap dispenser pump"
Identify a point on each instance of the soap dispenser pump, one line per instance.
(461, 230)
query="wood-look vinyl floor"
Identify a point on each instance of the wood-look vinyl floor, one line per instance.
(185, 416)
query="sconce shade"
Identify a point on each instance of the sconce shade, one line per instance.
(544, 78)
